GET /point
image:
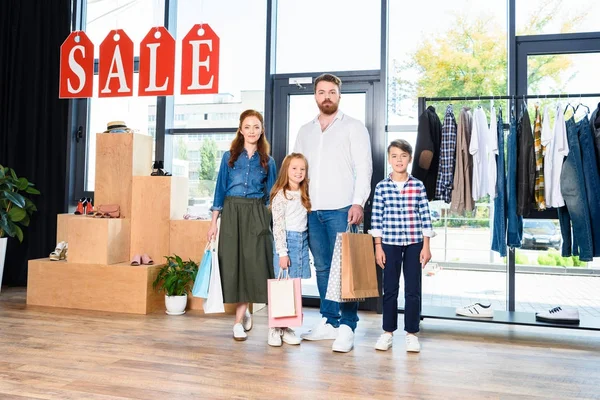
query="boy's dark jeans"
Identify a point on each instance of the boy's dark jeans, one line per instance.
(400, 258)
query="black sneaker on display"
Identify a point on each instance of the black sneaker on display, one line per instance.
(559, 315)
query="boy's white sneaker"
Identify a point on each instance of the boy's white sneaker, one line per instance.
(274, 338)
(289, 336)
(345, 340)
(247, 321)
(385, 342)
(412, 344)
(321, 331)
(238, 333)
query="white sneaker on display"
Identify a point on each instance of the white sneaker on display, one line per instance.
(321, 331)
(476, 310)
(345, 340)
(412, 343)
(238, 333)
(247, 321)
(274, 338)
(289, 336)
(385, 342)
(559, 315)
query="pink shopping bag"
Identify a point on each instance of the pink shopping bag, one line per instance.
(286, 322)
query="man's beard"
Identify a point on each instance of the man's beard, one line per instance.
(328, 107)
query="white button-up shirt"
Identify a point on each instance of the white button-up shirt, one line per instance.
(339, 162)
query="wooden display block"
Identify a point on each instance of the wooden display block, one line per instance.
(98, 240)
(62, 226)
(115, 288)
(120, 157)
(188, 238)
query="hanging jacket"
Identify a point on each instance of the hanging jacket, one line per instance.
(525, 165)
(595, 127)
(427, 151)
(463, 171)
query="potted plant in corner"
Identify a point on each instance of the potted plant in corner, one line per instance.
(176, 279)
(15, 208)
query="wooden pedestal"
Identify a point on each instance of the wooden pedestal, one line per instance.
(156, 200)
(116, 288)
(120, 157)
(62, 226)
(98, 240)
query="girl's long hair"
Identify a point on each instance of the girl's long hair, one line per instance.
(283, 181)
(237, 145)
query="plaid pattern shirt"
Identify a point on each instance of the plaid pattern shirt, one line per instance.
(445, 178)
(400, 217)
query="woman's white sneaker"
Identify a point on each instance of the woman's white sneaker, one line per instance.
(412, 343)
(238, 332)
(274, 338)
(247, 321)
(384, 342)
(289, 336)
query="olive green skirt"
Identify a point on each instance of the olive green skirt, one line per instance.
(245, 250)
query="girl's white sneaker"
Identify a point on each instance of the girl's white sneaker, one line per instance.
(289, 336)
(274, 338)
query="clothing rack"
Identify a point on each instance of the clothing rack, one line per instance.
(513, 97)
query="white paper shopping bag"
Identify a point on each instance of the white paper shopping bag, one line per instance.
(214, 301)
(281, 297)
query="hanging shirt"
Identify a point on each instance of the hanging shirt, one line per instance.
(463, 170)
(443, 189)
(426, 160)
(539, 196)
(478, 148)
(557, 148)
(525, 165)
(492, 152)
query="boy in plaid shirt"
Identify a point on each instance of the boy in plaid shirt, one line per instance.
(401, 228)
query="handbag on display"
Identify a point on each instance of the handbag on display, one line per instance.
(284, 301)
(107, 211)
(202, 281)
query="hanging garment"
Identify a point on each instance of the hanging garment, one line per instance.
(461, 194)
(538, 149)
(492, 152)
(514, 232)
(525, 165)
(443, 190)
(595, 126)
(556, 149)
(478, 149)
(427, 151)
(500, 206)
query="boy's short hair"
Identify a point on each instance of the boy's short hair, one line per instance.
(402, 145)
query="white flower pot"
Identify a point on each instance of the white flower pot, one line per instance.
(176, 304)
(3, 243)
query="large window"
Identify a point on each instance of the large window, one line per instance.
(537, 17)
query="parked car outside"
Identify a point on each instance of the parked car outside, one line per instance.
(435, 215)
(540, 234)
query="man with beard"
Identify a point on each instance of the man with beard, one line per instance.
(338, 151)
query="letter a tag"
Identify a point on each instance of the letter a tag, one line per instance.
(157, 63)
(200, 61)
(76, 67)
(115, 72)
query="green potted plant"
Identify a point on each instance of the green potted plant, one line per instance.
(176, 278)
(15, 208)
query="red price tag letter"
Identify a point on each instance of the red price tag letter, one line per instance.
(76, 66)
(116, 65)
(157, 63)
(200, 61)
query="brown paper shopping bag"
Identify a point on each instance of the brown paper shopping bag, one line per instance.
(359, 273)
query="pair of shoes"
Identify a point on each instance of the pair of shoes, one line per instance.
(158, 169)
(321, 331)
(476, 310)
(141, 259)
(239, 334)
(412, 343)
(278, 336)
(385, 342)
(559, 315)
(60, 252)
(84, 206)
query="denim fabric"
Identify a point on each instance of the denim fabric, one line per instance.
(297, 246)
(398, 258)
(576, 210)
(591, 178)
(515, 222)
(500, 206)
(247, 178)
(323, 227)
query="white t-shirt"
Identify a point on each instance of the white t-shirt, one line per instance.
(557, 148)
(478, 148)
(492, 152)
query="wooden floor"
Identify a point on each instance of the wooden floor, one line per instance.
(48, 353)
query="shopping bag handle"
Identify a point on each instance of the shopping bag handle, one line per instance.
(282, 274)
(352, 228)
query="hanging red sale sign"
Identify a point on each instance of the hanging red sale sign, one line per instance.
(115, 72)
(157, 63)
(200, 61)
(76, 66)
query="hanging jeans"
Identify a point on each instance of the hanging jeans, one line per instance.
(576, 209)
(499, 228)
(515, 222)
(591, 179)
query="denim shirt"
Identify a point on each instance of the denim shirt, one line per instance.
(247, 178)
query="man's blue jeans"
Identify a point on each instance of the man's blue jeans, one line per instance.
(515, 222)
(323, 227)
(499, 228)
